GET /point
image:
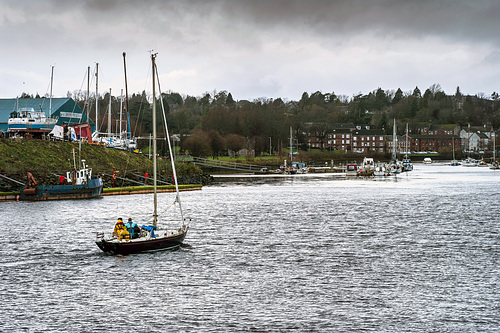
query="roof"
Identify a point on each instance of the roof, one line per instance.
(369, 132)
(64, 109)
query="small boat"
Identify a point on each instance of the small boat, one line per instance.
(469, 162)
(482, 164)
(381, 171)
(351, 170)
(394, 167)
(151, 237)
(406, 163)
(454, 162)
(28, 120)
(367, 167)
(77, 184)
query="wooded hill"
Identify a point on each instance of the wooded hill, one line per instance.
(216, 122)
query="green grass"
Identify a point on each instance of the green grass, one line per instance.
(141, 188)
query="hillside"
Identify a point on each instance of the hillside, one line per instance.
(47, 159)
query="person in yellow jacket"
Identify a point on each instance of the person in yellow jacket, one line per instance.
(121, 231)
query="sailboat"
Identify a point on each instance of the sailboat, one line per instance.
(469, 162)
(151, 237)
(395, 166)
(407, 166)
(494, 165)
(454, 162)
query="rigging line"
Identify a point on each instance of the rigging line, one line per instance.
(15, 181)
(141, 106)
(166, 209)
(85, 100)
(169, 145)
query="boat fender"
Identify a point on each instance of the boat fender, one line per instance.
(29, 191)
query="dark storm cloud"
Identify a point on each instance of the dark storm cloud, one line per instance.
(280, 47)
(457, 19)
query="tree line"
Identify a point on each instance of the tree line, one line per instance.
(214, 123)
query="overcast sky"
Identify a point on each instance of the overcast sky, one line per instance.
(251, 48)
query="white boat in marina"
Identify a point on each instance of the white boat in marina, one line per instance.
(482, 164)
(367, 167)
(394, 167)
(380, 170)
(469, 162)
(407, 166)
(29, 120)
(454, 162)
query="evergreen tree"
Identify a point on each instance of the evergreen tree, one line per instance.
(397, 96)
(417, 93)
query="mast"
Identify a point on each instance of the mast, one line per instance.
(394, 140)
(453, 145)
(494, 147)
(155, 214)
(468, 141)
(51, 82)
(126, 89)
(88, 93)
(109, 116)
(96, 99)
(121, 109)
(406, 143)
(291, 146)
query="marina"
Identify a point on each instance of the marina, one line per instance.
(313, 252)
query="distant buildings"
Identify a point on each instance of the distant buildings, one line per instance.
(430, 138)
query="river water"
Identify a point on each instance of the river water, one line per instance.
(314, 253)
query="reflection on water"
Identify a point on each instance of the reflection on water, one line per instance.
(307, 253)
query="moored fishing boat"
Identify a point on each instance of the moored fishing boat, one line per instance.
(77, 184)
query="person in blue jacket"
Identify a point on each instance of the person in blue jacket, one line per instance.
(132, 228)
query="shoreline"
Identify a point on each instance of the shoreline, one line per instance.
(14, 196)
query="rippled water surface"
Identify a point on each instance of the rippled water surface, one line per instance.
(419, 253)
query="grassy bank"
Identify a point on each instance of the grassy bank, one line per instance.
(48, 159)
(149, 188)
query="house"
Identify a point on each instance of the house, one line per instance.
(474, 140)
(432, 143)
(366, 140)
